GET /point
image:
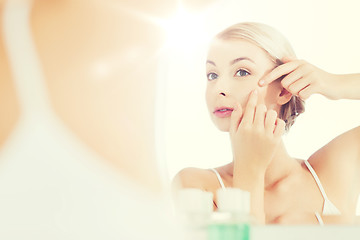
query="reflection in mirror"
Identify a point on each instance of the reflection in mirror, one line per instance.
(256, 87)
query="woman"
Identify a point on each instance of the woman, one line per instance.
(255, 91)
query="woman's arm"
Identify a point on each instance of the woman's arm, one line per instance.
(254, 137)
(304, 79)
(346, 86)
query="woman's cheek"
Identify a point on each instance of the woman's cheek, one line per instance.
(243, 93)
(247, 86)
(208, 98)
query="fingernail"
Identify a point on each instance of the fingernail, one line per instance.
(261, 82)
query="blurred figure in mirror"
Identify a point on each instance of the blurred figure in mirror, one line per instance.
(77, 87)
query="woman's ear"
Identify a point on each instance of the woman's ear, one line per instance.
(284, 97)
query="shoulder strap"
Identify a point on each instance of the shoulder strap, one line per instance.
(24, 62)
(219, 178)
(329, 208)
(319, 218)
(317, 180)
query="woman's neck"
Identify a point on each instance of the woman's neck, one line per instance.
(280, 168)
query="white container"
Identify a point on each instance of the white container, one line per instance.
(194, 208)
(232, 220)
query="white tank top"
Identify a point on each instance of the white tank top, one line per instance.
(52, 186)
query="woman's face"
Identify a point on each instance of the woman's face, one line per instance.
(233, 70)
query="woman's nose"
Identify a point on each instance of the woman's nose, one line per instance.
(223, 87)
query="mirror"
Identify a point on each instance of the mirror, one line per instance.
(187, 122)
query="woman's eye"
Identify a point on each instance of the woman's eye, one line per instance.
(242, 73)
(212, 76)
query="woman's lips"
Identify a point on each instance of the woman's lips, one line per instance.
(223, 112)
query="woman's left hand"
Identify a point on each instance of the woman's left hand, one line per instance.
(302, 79)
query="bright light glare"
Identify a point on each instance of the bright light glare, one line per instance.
(185, 30)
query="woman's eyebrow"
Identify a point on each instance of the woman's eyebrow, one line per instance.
(210, 62)
(240, 59)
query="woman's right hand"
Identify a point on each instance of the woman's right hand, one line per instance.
(255, 136)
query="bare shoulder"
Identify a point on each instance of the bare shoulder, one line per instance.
(193, 178)
(337, 164)
(342, 151)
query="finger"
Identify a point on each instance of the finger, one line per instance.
(288, 59)
(306, 92)
(301, 71)
(259, 119)
(299, 85)
(235, 118)
(248, 117)
(270, 120)
(279, 71)
(291, 78)
(279, 128)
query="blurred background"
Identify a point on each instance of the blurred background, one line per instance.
(321, 32)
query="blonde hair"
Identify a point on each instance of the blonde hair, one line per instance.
(277, 47)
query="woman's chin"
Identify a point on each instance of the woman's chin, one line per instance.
(223, 128)
(222, 124)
